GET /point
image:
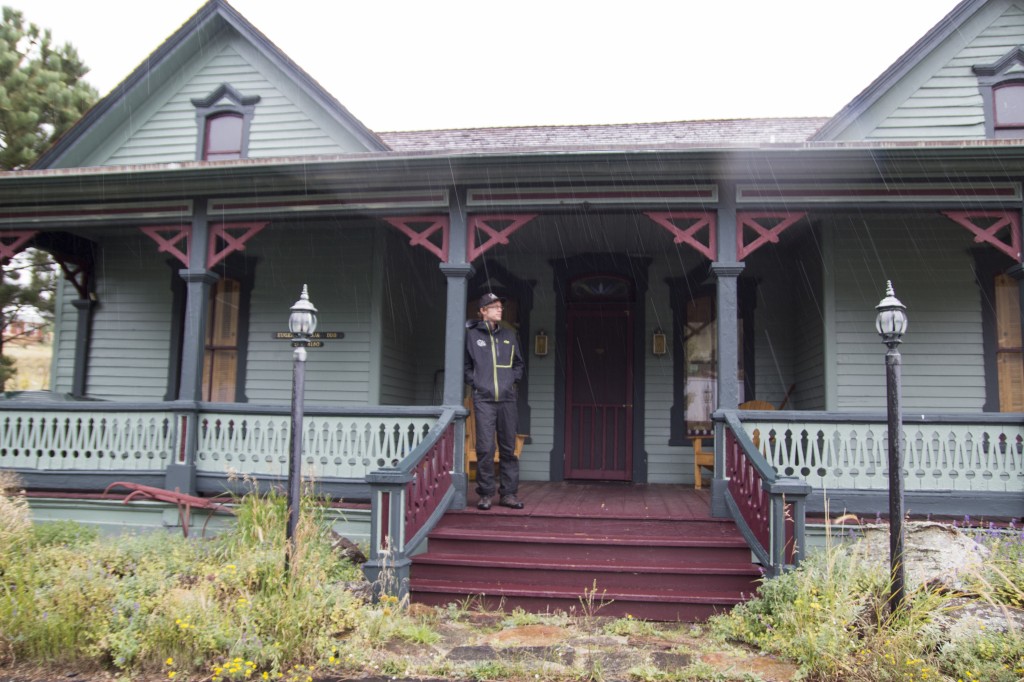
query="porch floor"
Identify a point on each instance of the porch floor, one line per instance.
(602, 499)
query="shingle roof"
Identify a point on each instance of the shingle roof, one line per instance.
(714, 133)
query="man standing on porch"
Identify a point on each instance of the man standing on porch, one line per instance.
(493, 369)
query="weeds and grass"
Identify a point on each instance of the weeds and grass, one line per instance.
(831, 616)
(135, 604)
(630, 627)
(225, 610)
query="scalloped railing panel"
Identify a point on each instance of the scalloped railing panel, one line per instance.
(953, 456)
(333, 447)
(86, 441)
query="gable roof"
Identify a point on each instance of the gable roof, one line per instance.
(849, 114)
(211, 18)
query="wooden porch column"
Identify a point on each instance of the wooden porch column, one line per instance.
(181, 475)
(84, 308)
(726, 270)
(457, 271)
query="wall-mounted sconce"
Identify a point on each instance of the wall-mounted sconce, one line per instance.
(659, 342)
(540, 343)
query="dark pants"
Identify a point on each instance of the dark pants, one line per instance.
(503, 418)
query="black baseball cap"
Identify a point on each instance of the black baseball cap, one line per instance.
(489, 298)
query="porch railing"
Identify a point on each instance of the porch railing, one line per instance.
(984, 454)
(408, 500)
(90, 439)
(93, 438)
(770, 510)
(334, 446)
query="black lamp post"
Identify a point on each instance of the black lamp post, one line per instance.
(301, 323)
(891, 324)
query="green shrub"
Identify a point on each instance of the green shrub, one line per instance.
(69, 533)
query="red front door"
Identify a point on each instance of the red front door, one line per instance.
(599, 390)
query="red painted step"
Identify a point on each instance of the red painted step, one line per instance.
(654, 568)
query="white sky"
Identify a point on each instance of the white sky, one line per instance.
(424, 64)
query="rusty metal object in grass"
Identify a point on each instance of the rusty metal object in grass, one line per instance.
(184, 501)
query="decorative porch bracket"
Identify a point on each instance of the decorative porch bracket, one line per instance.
(689, 235)
(234, 237)
(765, 235)
(434, 225)
(13, 242)
(232, 242)
(495, 235)
(1000, 221)
(167, 238)
(78, 271)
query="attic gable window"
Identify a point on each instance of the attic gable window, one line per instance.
(1008, 101)
(1002, 93)
(223, 119)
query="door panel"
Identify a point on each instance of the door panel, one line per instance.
(599, 393)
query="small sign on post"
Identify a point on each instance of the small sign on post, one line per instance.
(315, 340)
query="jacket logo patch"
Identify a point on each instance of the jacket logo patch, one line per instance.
(481, 343)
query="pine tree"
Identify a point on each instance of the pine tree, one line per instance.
(42, 94)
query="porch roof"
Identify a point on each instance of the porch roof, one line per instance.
(542, 155)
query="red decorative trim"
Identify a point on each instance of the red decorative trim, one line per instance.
(384, 523)
(182, 439)
(990, 235)
(496, 235)
(13, 241)
(765, 235)
(908, 192)
(688, 235)
(169, 244)
(222, 231)
(434, 225)
(432, 478)
(747, 489)
(598, 195)
(92, 212)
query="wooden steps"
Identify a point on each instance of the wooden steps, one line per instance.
(650, 568)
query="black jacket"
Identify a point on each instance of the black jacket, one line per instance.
(494, 362)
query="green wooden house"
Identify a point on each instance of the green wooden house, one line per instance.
(190, 206)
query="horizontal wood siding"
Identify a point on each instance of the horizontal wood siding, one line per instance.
(131, 324)
(286, 121)
(809, 339)
(948, 104)
(665, 463)
(336, 264)
(413, 313)
(928, 262)
(774, 326)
